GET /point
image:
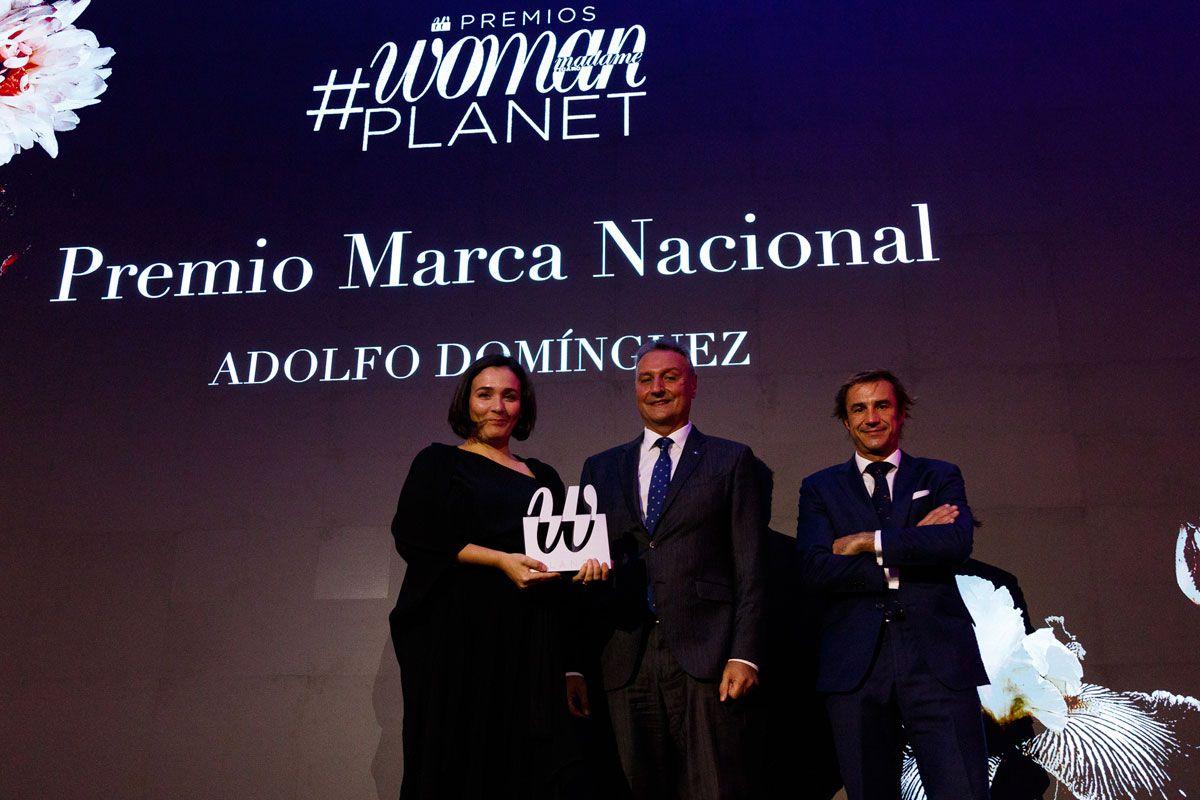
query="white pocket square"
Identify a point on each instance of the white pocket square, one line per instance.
(920, 494)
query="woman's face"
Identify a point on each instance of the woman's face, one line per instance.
(495, 404)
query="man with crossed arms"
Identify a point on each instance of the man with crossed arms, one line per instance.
(879, 539)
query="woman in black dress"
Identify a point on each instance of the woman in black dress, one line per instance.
(480, 629)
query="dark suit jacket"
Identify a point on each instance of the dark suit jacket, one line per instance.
(705, 561)
(834, 502)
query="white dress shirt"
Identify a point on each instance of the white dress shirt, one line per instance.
(892, 574)
(648, 456)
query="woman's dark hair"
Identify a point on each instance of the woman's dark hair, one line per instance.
(904, 401)
(460, 405)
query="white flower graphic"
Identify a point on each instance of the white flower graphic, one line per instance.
(1121, 745)
(1099, 744)
(1030, 675)
(50, 68)
(1187, 562)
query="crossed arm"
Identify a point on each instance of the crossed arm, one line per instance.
(847, 563)
(864, 541)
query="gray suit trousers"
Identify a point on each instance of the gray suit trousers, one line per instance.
(677, 740)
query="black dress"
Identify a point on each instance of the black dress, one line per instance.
(481, 661)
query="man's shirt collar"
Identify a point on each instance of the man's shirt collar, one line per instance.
(679, 437)
(893, 459)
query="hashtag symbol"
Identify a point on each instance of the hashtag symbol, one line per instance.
(328, 89)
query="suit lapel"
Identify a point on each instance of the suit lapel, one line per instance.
(689, 459)
(852, 484)
(902, 489)
(852, 481)
(628, 475)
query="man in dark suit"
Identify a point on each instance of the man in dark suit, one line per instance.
(880, 537)
(681, 620)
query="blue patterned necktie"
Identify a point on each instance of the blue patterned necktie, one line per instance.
(660, 479)
(881, 498)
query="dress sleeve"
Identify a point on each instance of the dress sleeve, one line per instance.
(424, 527)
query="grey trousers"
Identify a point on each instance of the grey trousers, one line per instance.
(677, 740)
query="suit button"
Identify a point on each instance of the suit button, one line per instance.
(652, 545)
(879, 605)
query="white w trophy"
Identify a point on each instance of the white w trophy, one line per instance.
(563, 542)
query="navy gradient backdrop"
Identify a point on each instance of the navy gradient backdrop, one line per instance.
(197, 578)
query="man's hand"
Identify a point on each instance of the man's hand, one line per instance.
(854, 544)
(523, 570)
(942, 515)
(577, 696)
(592, 570)
(737, 680)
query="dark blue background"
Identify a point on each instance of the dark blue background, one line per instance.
(168, 535)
